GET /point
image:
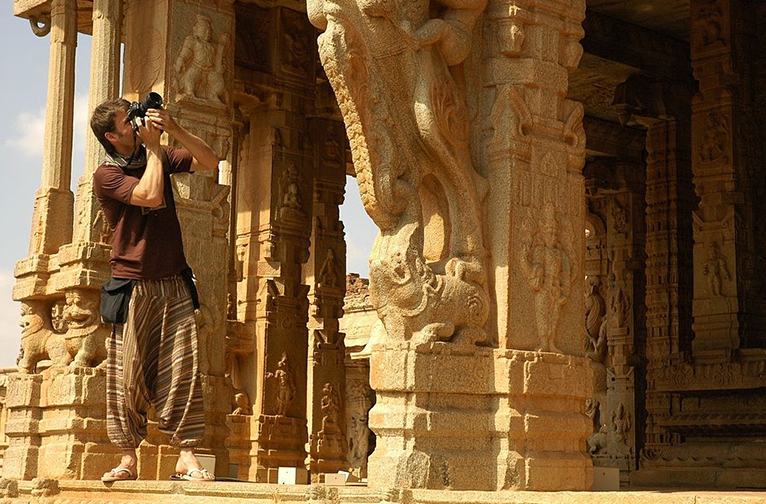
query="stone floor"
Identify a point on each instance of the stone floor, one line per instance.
(169, 492)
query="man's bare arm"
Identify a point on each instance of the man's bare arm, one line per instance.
(204, 158)
(151, 187)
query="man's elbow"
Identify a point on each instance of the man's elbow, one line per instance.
(145, 198)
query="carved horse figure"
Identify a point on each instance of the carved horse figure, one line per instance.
(397, 72)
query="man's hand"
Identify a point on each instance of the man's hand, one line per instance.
(163, 120)
(149, 132)
(204, 158)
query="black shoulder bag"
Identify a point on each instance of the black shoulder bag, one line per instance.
(115, 297)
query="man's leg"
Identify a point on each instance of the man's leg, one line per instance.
(178, 390)
(126, 393)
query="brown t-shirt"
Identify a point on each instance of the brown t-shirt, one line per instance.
(146, 243)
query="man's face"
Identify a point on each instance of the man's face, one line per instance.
(122, 137)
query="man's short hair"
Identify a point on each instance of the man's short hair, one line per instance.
(102, 120)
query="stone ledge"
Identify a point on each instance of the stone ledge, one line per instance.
(233, 492)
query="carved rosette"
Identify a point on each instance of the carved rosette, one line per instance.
(408, 127)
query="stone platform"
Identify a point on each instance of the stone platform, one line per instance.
(93, 492)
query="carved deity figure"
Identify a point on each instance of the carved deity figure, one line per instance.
(330, 405)
(620, 217)
(598, 440)
(329, 275)
(595, 309)
(199, 67)
(710, 16)
(357, 429)
(619, 305)
(548, 269)
(715, 269)
(330, 438)
(621, 420)
(397, 71)
(714, 141)
(291, 197)
(285, 385)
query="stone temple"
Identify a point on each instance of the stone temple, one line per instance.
(569, 283)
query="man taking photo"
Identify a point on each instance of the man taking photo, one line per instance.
(152, 353)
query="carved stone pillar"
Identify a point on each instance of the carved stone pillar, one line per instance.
(614, 314)
(534, 151)
(90, 226)
(275, 211)
(203, 208)
(425, 180)
(184, 51)
(703, 388)
(668, 276)
(663, 107)
(325, 275)
(60, 311)
(52, 217)
(729, 301)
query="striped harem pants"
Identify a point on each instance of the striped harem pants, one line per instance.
(152, 359)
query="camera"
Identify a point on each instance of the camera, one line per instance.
(138, 109)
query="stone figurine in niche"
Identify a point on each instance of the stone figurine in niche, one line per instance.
(329, 275)
(242, 403)
(199, 67)
(403, 153)
(621, 424)
(330, 409)
(620, 217)
(595, 310)
(285, 385)
(358, 432)
(330, 439)
(713, 145)
(548, 269)
(291, 196)
(715, 268)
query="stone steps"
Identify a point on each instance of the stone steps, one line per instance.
(95, 492)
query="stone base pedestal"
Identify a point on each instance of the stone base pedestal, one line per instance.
(700, 477)
(329, 450)
(281, 443)
(469, 418)
(703, 465)
(238, 444)
(433, 417)
(23, 426)
(57, 426)
(541, 413)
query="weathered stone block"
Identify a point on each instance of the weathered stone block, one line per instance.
(23, 391)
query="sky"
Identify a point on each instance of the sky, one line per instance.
(23, 88)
